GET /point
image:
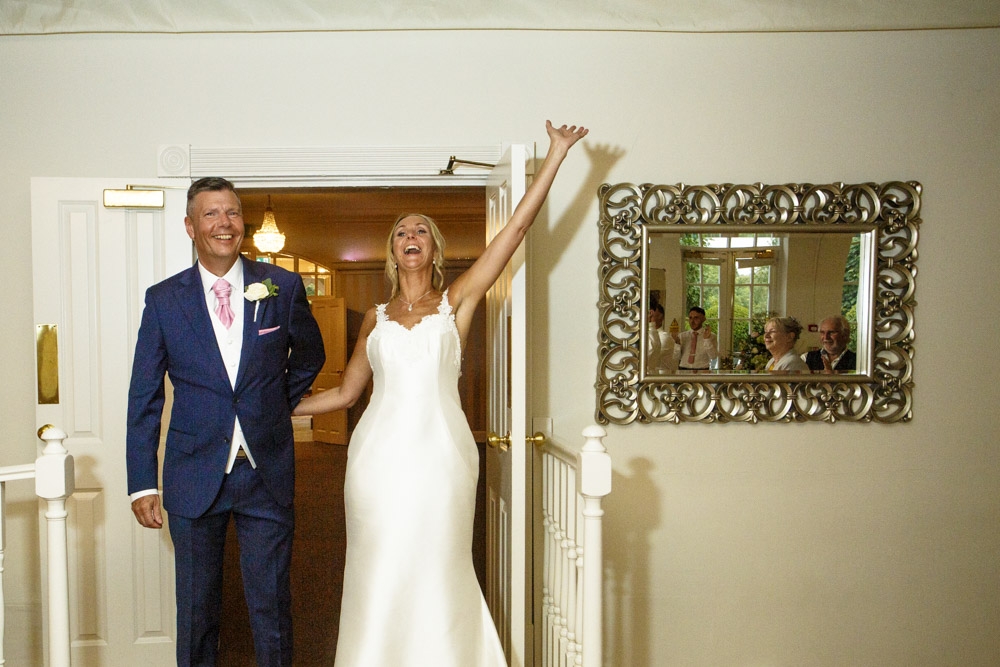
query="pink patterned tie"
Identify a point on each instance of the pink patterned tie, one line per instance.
(694, 347)
(222, 290)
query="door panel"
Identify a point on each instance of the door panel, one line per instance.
(331, 315)
(508, 498)
(91, 267)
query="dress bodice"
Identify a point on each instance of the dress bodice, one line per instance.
(417, 362)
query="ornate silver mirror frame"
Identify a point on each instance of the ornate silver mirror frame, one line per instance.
(886, 214)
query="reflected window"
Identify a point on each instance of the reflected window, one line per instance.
(731, 276)
(318, 279)
(852, 285)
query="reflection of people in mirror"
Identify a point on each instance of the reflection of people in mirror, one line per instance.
(660, 348)
(780, 334)
(834, 357)
(698, 345)
(662, 357)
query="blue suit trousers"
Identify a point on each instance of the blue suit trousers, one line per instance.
(264, 530)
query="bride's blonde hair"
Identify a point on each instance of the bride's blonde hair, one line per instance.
(437, 278)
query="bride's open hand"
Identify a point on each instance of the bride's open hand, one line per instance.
(565, 136)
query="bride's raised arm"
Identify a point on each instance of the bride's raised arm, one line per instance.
(469, 288)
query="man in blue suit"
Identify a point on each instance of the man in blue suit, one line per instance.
(241, 348)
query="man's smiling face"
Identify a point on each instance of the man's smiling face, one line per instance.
(215, 224)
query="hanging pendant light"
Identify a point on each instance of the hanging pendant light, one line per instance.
(268, 239)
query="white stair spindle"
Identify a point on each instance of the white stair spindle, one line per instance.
(54, 483)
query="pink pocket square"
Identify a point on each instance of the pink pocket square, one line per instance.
(267, 331)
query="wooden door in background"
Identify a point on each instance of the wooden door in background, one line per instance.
(331, 315)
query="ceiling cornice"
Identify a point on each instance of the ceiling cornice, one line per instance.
(35, 17)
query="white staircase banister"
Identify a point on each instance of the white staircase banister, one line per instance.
(573, 488)
(55, 482)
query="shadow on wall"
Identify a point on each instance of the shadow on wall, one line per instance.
(626, 576)
(603, 158)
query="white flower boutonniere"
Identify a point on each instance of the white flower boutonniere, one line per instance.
(257, 292)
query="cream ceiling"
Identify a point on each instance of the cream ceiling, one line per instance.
(27, 17)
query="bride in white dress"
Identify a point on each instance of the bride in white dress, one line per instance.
(411, 597)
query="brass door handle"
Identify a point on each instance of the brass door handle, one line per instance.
(501, 442)
(538, 439)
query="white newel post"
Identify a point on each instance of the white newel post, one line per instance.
(54, 483)
(595, 484)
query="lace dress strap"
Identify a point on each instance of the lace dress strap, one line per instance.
(444, 308)
(380, 315)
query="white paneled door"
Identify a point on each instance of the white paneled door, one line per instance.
(91, 267)
(507, 460)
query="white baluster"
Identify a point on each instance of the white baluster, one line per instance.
(548, 498)
(572, 571)
(595, 483)
(54, 483)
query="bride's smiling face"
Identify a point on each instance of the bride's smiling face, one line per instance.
(412, 242)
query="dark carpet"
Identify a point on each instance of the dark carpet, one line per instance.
(317, 565)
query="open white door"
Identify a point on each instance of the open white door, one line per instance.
(91, 267)
(508, 468)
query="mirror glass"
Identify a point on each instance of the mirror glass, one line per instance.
(740, 280)
(807, 293)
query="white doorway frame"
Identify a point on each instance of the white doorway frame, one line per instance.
(279, 167)
(329, 166)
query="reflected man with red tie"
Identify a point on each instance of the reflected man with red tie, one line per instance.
(698, 346)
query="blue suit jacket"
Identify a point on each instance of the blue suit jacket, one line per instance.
(282, 353)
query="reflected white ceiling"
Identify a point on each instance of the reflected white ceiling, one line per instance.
(27, 17)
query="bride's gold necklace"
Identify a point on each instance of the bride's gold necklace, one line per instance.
(409, 303)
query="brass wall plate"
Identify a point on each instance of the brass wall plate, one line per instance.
(47, 363)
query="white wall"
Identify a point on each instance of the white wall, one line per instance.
(802, 544)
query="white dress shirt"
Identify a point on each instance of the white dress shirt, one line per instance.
(230, 340)
(706, 349)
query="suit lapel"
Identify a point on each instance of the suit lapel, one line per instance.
(191, 298)
(251, 274)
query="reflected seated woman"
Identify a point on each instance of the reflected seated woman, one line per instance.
(780, 335)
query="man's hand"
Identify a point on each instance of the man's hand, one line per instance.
(147, 511)
(827, 362)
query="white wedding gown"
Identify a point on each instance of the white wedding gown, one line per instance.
(411, 597)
